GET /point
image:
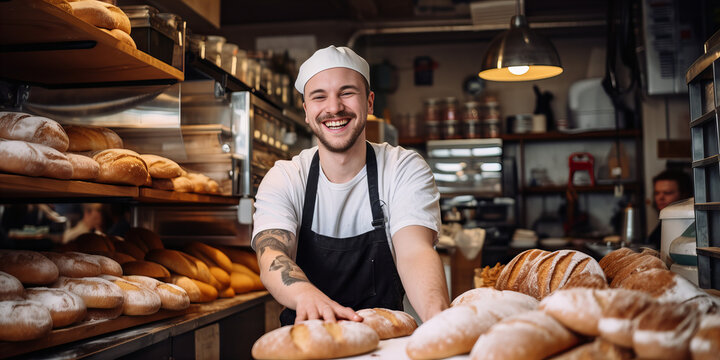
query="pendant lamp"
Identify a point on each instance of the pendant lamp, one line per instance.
(519, 54)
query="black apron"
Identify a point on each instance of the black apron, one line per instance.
(359, 271)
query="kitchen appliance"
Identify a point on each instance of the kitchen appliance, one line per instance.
(581, 161)
(589, 106)
(162, 35)
(467, 166)
(677, 238)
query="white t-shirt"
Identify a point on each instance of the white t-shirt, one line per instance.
(405, 184)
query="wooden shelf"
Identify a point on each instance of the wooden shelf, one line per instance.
(42, 44)
(556, 135)
(148, 195)
(709, 251)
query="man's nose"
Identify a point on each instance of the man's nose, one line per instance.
(334, 105)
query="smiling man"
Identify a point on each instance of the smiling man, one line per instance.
(348, 224)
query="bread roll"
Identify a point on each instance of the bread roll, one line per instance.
(664, 331)
(95, 292)
(131, 249)
(101, 14)
(65, 307)
(640, 264)
(145, 268)
(215, 255)
(142, 237)
(242, 256)
(663, 285)
(705, 344)
(23, 320)
(173, 260)
(29, 267)
(92, 138)
(388, 323)
(74, 265)
(315, 339)
(490, 293)
(619, 313)
(108, 266)
(138, 300)
(516, 270)
(122, 36)
(527, 336)
(586, 280)
(171, 296)
(577, 309)
(598, 349)
(84, 168)
(226, 293)
(93, 243)
(103, 314)
(161, 168)
(120, 166)
(191, 288)
(10, 287)
(24, 158)
(455, 330)
(33, 129)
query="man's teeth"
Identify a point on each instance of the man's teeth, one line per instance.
(336, 123)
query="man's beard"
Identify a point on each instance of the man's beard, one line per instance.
(353, 137)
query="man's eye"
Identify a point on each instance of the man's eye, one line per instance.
(347, 93)
(318, 97)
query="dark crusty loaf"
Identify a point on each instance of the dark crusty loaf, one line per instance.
(92, 138)
(10, 287)
(23, 320)
(29, 267)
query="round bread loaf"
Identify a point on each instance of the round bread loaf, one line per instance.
(10, 287)
(65, 307)
(387, 323)
(664, 331)
(473, 295)
(619, 313)
(145, 268)
(160, 167)
(138, 300)
(516, 270)
(84, 168)
(33, 129)
(23, 320)
(29, 267)
(108, 266)
(97, 293)
(103, 314)
(641, 263)
(172, 296)
(586, 280)
(315, 339)
(74, 265)
(24, 158)
(705, 344)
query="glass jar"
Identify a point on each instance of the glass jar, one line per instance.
(471, 120)
(450, 110)
(242, 65)
(431, 110)
(229, 58)
(451, 129)
(213, 48)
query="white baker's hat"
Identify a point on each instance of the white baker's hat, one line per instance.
(328, 58)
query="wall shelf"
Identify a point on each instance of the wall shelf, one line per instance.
(561, 189)
(42, 44)
(557, 135)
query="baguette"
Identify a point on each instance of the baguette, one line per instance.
(187, 284)
(241, 282)
(208, 292)
(23, 320)
(24, 158)
(10, 287)
(217, 256)
(221, 276)
(160, 167)
(65, 307)
(29, 267)
(705, 344)
(257, 283)
(120, 166)
(138, 300)
(145, 268)
(172, 297)
(226, 293)
(95, 292)
(664, 331)
(526, 336)
(388, 323)
(203, 272)
(240, 256)
(91, 138)
(84, 168)
(33, 129)
(315, 339)
(173, 260)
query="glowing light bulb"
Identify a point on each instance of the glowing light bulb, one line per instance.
(518, 70)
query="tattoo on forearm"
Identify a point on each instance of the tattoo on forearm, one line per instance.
(275, 239)
(289, 271)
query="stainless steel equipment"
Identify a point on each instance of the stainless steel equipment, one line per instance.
(468, 167)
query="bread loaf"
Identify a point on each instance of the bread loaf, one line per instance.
(179, 184)
(516, 270)
(62, 4)
(161, 168)
(173, 260)
(663, 285)
(101, 14)
(120, 166)
(705, 344)
(586, 280)
(74, 265)
(455, 330)
(92, 243)
(10, 287)
(315, 339)
(221, 276)
(241, 282)
(200, 183)
(203, 272)
(171, 296)
(137, 299)
(226, 293)
(144, 237)
(577, 309)
(131, 249)
(95, 292)
(241, 256)
(489, 293)
(23, 320)
(526, 336)
(65, 307)
(207, 292)
(84, 168)
(145, 268)
(642, 263)
(191, 288)
(108, 266)
(119, 257)
(24, 158)
(214, 255)
(257, 283)
(388, 323)
(33, 129)
(103, 314)
(29, 267)
(598, 349)
(122, 36)
(664, 331)
(92, 138)
(608, 261)
(619, 313)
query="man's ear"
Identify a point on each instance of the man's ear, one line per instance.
(306, 116)
(371, 102)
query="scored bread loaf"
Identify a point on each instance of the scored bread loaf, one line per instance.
(608, 261)
(642, 263)
(388, 323)
(315, 339)
(74, 265)
(84, 168)
(526, 336)
(619, 313)
(108, 266)
(504, 295)
(29, 267)
(663, 285)
(577, 309)
(33, 129)
(705, 344)
(10, 287)
(65, 307)
(24, 158)
(95, 292)
(586, 280)
(160, 167)
(138, 300)
(121, 166)
(101, 14)
(664, 331)
(598, 349)
(145, 268)
(516, 270)
(122, 36)
(210, 255)
(203, 272)
(92, 138)
(171, 296)
(23, 320)
(455, 330)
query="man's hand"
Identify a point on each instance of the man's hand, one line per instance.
(311, 304)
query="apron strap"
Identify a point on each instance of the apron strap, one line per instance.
(372, 178)
(310, 192)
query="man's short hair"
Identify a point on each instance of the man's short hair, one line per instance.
(682, 179)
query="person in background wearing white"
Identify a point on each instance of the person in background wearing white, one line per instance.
(668, 187)
(348, 224)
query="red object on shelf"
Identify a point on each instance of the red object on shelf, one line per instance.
(581, 161)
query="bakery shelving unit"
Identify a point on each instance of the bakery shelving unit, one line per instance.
(703, 78)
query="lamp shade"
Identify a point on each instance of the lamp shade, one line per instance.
(519, 54)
